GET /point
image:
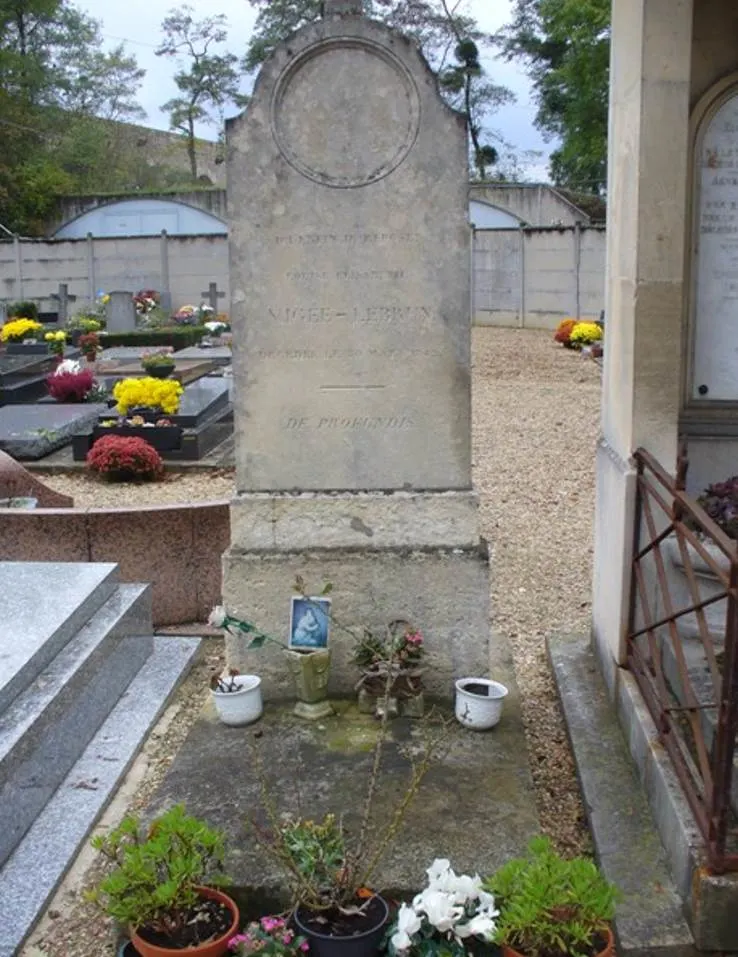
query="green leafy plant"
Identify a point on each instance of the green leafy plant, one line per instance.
(549, 905)
(154, 883)
(23, 310)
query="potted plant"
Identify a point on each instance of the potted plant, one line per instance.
(479, 702)
(70, 383)
(121, 459)
(584, 334)
(550, 906)
(161, 434)
(445, 916)
(155, 396)
(89, 343)
(396, 655)
(237, 697)
(22, 334)
(164, 885)
(57, 342)
(159, 363)
(269, 937)
(309, 666)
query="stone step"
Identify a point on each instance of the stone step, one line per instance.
(42, 605)
(38, 864)
(649, 921)
(47, 726)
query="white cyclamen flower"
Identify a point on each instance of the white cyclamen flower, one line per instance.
(487, 905)
(464, 888)
(217, 617)
(479, 926)
(408, 923)
(438, 871)
(439, 909)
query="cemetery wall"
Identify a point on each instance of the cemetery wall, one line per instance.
(535, 277)
(529, 278)
(535, 205)
(176, 548)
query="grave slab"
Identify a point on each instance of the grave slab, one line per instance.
(185, 370)
(33, 431)
(222, 355)
(475, 807)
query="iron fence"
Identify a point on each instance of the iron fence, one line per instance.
(682, 646)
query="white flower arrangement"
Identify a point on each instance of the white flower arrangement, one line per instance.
(451, 909)
(68, 366)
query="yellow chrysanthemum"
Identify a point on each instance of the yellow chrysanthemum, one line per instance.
(19, 329)
(585, 332)
(153, 393)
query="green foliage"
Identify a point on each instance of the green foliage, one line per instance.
(206, 80)
(439, 30)
(318, 850)
(154, 880)
(54, 79)
(549, 905)
(179, 337)
(566, 47)
(23, 310)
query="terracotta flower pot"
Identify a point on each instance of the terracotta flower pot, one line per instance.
(213, 948)
(607, 951)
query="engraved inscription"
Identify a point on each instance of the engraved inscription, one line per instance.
(358, 314)
(348, 423)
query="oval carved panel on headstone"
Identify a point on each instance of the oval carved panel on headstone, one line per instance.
(715, 317)
(345, 113)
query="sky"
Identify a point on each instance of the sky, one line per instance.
(138, 22)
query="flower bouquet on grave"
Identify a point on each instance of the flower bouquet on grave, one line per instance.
(57, 342)
(450, 913)
(149, 395)
(21, 330)
(391, 661)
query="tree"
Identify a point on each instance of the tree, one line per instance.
(54, 81)
(206, 80)
(566, 46)
(449, 40)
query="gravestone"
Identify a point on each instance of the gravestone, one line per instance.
(350, 273)
(120, 312)
(212, 295)
(715, 317)
(34, 431)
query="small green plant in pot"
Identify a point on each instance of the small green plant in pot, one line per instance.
(550, 906)
(164, 885)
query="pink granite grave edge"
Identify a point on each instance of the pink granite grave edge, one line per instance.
(177, 548)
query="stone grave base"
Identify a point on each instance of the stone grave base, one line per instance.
(476, 805)
(443, 592)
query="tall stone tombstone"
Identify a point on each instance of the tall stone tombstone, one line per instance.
(350, 275)
(120, 312)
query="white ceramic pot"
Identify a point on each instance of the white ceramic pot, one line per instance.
(479, 702)
(243, 706)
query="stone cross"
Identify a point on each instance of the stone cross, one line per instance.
(213, 295)
(334, 8)
(63, 298)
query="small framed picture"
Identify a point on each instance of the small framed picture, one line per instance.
(310, 620)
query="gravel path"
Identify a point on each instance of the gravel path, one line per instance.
(536, 411)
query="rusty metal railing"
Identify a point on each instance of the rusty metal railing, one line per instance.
(682, 646)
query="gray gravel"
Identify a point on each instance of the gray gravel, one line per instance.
(536, 413)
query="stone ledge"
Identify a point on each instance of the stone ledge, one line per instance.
(363, 520)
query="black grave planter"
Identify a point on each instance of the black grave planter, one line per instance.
(160, 372)
(27, 349)
(365, 942)
(163, 438)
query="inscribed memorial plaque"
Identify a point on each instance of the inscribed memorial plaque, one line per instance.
(350, 270)
(715, 375)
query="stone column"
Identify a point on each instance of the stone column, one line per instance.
(647, 202)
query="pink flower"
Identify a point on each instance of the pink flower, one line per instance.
(287, 938)
(304, 947)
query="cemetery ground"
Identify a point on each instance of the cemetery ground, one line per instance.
(536, 413)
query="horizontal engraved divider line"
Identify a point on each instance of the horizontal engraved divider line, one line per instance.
(350, 388)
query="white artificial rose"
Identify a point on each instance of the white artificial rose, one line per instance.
(217, 617)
